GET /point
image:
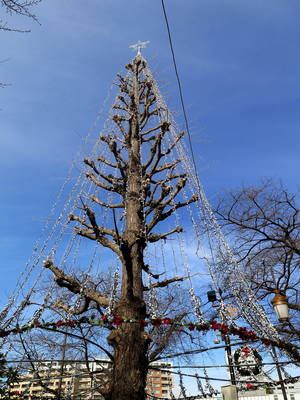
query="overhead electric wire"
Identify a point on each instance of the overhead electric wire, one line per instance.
(223, 379)
(180, 89)
(55, 377)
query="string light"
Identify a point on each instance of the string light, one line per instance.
(222, 265)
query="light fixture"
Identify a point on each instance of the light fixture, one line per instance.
(211, 296)
(280, 305)
(217, 339)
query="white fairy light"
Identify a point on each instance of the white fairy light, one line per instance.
(170, 386)
(152, 303)
(197, 306)
(199, 385)
(221, 252)
(181, 385)
(208, 386)
(112, 299)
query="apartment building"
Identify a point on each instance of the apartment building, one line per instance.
(80, 380)
(71, 378)
(160, 380)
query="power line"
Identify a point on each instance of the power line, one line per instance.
(226, 380)
(67, 362)
(180, 88)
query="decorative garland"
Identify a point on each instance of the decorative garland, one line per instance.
(248, 355)
(266, 385)
(116, 320)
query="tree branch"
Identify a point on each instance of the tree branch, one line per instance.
(70, 283)
(114, 188)
(155, 237)
(90, 234)
(95, 199)
(164, 283)
(159, 216)
(79, 310)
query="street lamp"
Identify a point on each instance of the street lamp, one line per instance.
(280, 305)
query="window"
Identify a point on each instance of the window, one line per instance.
(292, 396)
(275, 396)
(164, 391)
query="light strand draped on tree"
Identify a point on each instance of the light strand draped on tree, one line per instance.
(125, 202)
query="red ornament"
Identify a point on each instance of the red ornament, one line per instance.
(117, 320)
(246, 351)
(71, 324)
(215, 325)
(156, 322)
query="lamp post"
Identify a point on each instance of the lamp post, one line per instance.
(280, 305)
(284, 394)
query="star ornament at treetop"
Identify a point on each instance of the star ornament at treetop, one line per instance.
(138, 46)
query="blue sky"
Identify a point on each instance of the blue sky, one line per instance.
(239, 67)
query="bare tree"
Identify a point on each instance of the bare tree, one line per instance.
(17, 7)
(147, 188)
(20, 7)
(263, 226)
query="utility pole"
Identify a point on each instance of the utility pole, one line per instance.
(226, 339)
(279, 374)
(212, 297)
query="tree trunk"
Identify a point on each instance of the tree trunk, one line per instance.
(129, 374)
(129, 341)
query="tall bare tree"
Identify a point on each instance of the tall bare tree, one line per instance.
(263, 224)
(147, 188)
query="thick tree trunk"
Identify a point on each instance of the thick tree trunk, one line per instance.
(129, 341)
(129, 374)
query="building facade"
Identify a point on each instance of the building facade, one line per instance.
(80, 380)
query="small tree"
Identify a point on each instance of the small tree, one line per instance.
(147, 188)
(264, 229)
